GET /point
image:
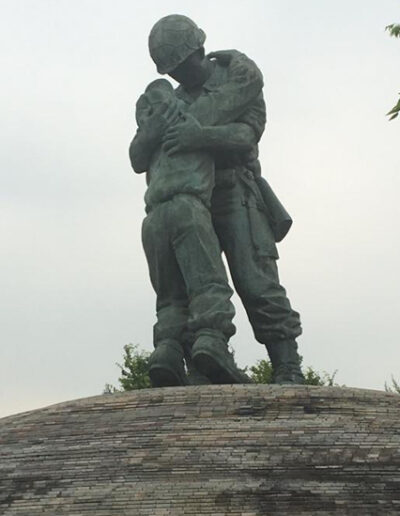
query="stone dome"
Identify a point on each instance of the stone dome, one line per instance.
(218, 450)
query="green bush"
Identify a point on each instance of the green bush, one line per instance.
(135, 372)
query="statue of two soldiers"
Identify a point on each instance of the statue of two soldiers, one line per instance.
(198, 145)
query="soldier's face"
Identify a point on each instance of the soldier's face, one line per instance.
(192, 72)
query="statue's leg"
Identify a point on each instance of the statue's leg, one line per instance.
(166, 362)
(247, 241)
(211, 311)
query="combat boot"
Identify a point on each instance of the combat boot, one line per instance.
(166, 365)
(285, 362)
(195, 377)
(212, 358)
(193, 374)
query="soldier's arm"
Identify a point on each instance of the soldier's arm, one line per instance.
(220, 119)
(241, 135)
(230, 100)
(149, 135)
(236, 136)
(141, 150)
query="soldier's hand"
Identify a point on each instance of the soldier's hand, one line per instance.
(183, 136)
(224, 56)
(241, 68)
(157, 123)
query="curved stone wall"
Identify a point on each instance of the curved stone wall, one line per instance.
(244, 450)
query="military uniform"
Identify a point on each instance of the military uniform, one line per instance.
(182, 249)
(231, 94)
(244, 231)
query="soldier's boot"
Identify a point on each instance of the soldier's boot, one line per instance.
(285, 362)
(166, 365)
(211, 356)
(195, 377)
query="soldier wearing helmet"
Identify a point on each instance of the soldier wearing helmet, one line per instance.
(172, 40)
(247, 217)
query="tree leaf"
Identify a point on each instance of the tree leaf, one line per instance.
(394, 30)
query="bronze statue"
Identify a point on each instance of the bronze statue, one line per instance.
(198, 145)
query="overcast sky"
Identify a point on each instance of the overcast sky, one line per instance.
(74, 281)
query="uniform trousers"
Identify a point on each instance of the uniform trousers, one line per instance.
(246, 238)
(186, 271)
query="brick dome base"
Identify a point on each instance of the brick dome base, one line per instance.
(246, 450)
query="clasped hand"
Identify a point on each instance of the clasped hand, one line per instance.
(155, 123)
(183, 136)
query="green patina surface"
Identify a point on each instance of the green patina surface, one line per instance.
(198, 145)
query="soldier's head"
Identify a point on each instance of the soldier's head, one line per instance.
(157, 97)
(176, 47)
(159, 92)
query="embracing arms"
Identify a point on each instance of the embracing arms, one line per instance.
(190, 135)
(223, 118)
(216, 120)
(149, 136)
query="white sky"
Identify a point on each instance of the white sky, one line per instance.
(73, 278)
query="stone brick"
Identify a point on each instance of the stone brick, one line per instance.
(243, 450)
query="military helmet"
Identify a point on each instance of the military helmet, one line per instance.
(172, 40)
